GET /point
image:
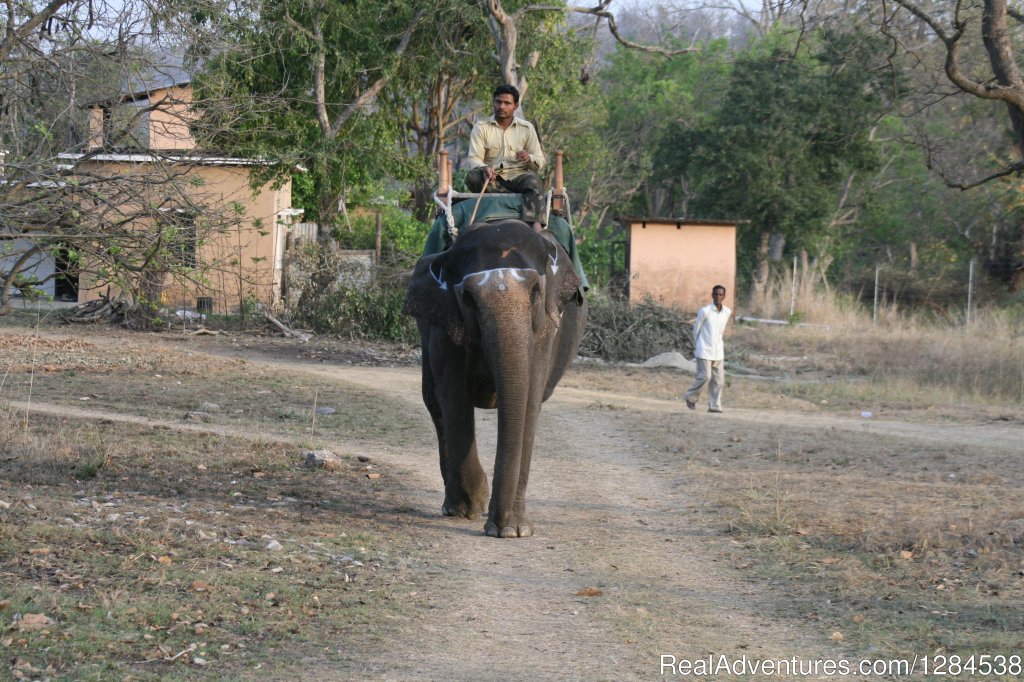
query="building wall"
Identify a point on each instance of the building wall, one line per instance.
(169, 120)
(240, 248)
(677, 263)
(42, 266)
(161, 120)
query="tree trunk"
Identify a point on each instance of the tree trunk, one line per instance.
(996, 36)
(776, 246)
(762, 269)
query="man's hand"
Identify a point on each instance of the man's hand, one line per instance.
(490, 173)
(523, 156)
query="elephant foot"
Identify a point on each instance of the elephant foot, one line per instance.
(466, 503)
(462, 505)
(466, 511)
(521, 528)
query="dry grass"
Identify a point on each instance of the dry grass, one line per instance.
(904, 359)
(904, 547)
(131, 551)
(140, 553)
(901, 547)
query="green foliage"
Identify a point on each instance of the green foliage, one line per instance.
(792, 126)
(270, 78)
(649, 99)
(402, 236)
(628, 156)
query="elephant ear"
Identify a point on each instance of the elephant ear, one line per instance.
(430, 300)
(562, 280)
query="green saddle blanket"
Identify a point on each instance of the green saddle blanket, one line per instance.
(501, 207)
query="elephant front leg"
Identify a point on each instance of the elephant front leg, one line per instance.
(512, 523)
(465, 484)
(507, 516)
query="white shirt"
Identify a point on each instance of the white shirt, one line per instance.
(708, 329)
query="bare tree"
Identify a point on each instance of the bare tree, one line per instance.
(74, 82)
(505, 27)
(978, 42)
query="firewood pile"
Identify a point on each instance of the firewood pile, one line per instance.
(103, 310)
(619, 332)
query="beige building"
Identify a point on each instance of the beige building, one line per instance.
(676, 261)
(230, 238)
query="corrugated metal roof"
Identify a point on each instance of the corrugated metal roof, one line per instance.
(165, 71)
(684, 221)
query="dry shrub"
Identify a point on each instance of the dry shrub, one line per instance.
(934, 362)
(343, 297)
(812, 304)
(53, 454)
(619, 332)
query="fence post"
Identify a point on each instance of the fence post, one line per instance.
(792, 296)
(970, 291)
(874, 308)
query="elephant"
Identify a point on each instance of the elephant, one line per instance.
(500, 316)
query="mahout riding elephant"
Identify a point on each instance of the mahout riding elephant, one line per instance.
(500, 316)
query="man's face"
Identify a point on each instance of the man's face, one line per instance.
(504, 107)
(717, 297)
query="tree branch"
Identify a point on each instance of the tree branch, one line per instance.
(14, 36)
(1015, 167)
(601, 11)
(370, 93)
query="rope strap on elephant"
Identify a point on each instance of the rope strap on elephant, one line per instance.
(446, 211)
(456, 211)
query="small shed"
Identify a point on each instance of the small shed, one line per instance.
(676, 261)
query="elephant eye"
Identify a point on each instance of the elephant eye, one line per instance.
(535, 293)
(468, 301)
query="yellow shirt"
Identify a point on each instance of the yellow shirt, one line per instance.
(491, 145)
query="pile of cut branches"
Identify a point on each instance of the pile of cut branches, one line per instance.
(103, 310)
(619, 332)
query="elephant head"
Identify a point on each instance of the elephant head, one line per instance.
(500, 321)
(491, 257)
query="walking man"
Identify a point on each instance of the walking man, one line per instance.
(504, 151)
(709, 351)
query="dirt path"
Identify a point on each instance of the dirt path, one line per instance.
(610, 516)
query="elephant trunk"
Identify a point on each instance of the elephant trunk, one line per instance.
(512, 389)
(506, 305)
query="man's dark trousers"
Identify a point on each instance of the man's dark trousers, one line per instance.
(527, 184)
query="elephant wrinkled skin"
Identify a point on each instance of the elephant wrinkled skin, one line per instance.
(500, 319)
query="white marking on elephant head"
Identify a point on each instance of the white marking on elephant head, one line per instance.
(501, 277)
(437, 278)
(504, 281)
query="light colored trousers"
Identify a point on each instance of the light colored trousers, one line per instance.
(713, 370)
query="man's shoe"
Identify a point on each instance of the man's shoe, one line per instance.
(692, 405)
(715, 411)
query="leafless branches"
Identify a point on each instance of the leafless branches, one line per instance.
(505, 28)
(964, 29)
